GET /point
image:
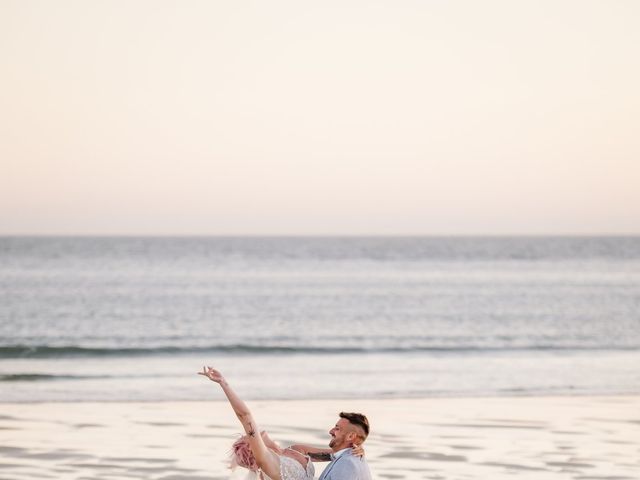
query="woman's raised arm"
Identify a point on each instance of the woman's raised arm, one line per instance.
(239, 407)
(267, 460)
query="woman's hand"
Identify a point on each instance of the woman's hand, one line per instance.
(357, 450)
(212, 374)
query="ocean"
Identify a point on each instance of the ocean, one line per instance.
(134, 319)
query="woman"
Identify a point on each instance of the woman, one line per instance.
(275, 462)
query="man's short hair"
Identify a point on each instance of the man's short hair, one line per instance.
(357, 419)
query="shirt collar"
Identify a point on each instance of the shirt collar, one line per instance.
(339, 453)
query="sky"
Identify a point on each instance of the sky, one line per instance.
(319, 118)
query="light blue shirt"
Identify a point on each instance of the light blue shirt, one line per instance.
(346, 466)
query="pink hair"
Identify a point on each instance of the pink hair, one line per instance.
(242, 456)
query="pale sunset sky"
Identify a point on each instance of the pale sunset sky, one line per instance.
(347, 117)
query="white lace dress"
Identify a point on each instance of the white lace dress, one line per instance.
(291, 469)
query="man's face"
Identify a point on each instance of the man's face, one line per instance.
(341, 435)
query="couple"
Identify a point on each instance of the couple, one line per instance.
(257, 452)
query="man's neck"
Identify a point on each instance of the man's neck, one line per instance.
(340, 449)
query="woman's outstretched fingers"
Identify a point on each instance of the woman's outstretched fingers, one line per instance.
(212, 374)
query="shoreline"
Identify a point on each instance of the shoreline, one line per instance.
(578, 437)
(338, 399)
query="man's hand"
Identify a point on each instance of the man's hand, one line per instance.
(212, 374)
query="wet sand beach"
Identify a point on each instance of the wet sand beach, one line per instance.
(580, 438)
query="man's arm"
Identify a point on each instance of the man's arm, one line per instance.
(324, 454)
(315, 454)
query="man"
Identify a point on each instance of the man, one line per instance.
(351, 429)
